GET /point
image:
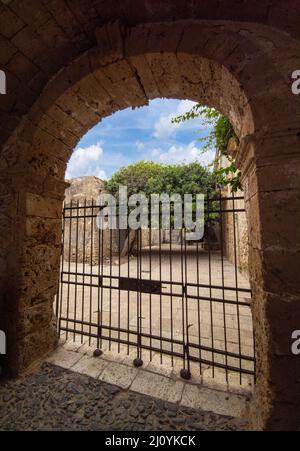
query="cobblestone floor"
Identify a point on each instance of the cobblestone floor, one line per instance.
(52, 398)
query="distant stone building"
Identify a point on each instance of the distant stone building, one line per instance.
(83, 240)
(82, 188)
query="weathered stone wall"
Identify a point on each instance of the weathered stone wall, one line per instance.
(83, 242)
(68, 65)
(235, 234)
(234, 225)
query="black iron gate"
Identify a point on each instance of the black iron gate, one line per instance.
(155, 295)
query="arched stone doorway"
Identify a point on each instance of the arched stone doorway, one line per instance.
(213, 62)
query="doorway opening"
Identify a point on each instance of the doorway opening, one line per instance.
(156, 294)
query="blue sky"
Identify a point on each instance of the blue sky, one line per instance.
(145, 133)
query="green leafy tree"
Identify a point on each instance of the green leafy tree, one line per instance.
(149, 177)
(218, 138)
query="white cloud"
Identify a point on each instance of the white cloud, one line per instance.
(101, 174)
(156, 153)
(183, 154)
(86, 161)
(163, 127)
(139, 145)
(184, 106)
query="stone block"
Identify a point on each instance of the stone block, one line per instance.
(44, 230)
(110, 42)
(10, 22)
(35, 318)
(158, 386)
(65, 359)
(117, 374)
(7, 50)
(38, 206)
(90, 366)
(74, 345)
(35, 346)
(22, 67)
(214, 401)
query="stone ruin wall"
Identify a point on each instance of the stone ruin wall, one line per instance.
(83, 236)
(83, 242)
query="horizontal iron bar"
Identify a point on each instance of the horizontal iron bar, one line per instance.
(158, 350)
(71, 206)
(169, 294)
(164, 282)
(151, 214)
(95, 215)
(158, 338)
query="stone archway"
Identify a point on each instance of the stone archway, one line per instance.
(212, 62)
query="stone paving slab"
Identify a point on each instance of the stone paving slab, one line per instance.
(158, 386)
(89, 366)
(156, 367)
(64, 358)
(215, 401)
(73, 345)
(117, 374)
(56, 399)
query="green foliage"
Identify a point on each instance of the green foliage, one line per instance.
(149, 177)
(229, 176)
(218, 138)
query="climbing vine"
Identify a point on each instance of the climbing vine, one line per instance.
(218, 138)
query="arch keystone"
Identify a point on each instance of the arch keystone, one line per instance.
(111, 42)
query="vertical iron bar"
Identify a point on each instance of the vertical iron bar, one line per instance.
(171, 298)
(69, 269)
(91, 270)
(128, 292)
(99, 281)
(60, 305)
(140, 293)
(198, 305)
(110, 284)
(223, 278)
(160, 296)
(183, 296)
(102, 279)
(210, 289)
(150, 277)
(137, 297)
(119, 292)
(76, 267)
(236, 283)
(187, 325)
(83, 268)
